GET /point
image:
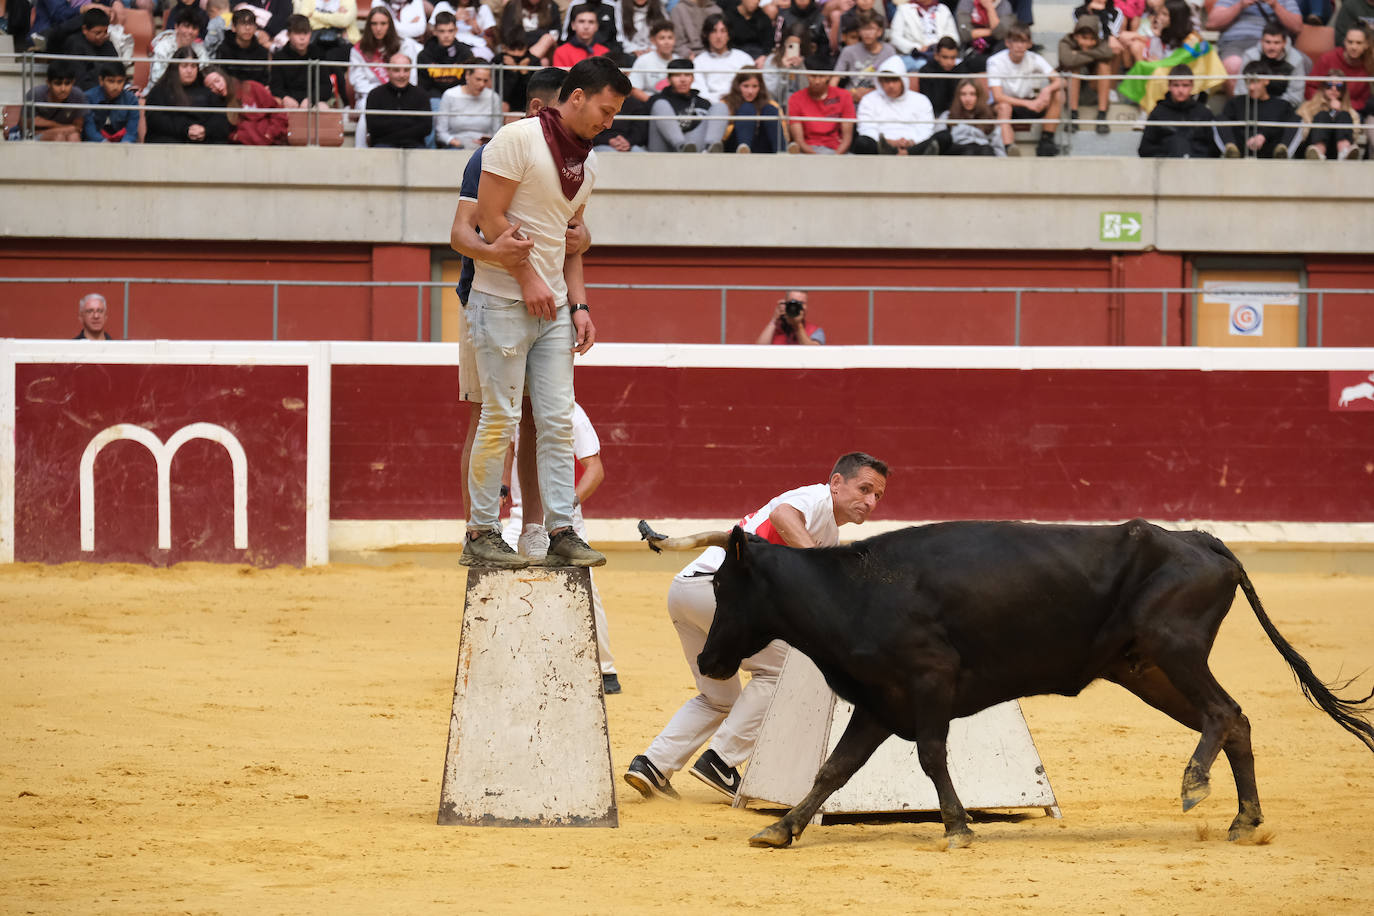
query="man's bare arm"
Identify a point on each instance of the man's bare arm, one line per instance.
(789, 522)
(494, 196)
(508, 250)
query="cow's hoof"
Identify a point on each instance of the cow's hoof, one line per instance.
(959, 839)
(1240, 831)
(1243, 827)
(775, 836)
(1196, 787)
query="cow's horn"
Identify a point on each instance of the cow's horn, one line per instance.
(660, 542)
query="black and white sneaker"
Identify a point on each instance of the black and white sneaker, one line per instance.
(646, 779)
(711, 770)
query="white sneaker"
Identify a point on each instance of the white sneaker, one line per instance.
(534, 542)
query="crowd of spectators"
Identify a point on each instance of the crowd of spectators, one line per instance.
(876, 77)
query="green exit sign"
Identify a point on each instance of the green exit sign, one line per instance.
(1120, 227)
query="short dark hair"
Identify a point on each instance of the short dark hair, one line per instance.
(662, 25)
(578, 10)
(850, 465)
(61, 71)
(94, 18)
(592, 75)
(545, 84)
(242, 15)
(1274, 27)
(708, 25)
(1181, 72)
(193, 16)
(110, 68)
(1019, 31)
(444, 17)
(947, 44)
(296, 24)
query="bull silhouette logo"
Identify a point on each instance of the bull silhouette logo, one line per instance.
(163, 453)
(1362, 391)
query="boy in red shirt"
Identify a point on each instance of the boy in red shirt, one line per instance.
(820, 100)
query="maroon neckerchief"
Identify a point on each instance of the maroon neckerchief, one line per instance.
(569, 151)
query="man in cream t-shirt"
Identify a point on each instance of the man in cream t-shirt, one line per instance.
(526, 322)
(721, 711)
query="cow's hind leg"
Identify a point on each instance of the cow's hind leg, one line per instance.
(861, 738)
(932, 751)
(1155, 688)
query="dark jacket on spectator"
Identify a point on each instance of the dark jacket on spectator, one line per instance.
(78, 46)
(754, 36)
(294, 81)
(689, 108)
(607, 29)
(637, 132)
(248, 63)
(165, 126)
(1200, 142)
(815, 24)
(279, 10)
(941, 91)
(1243, 108)
(395, 131)
(110, 125)
(441, 68)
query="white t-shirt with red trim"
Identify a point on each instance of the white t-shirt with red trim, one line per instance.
(585, 444)
(813, 502)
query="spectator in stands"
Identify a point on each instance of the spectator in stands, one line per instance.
(367, 63)
(1274, 45)
(1083, 52)
(16, 20)
(1355, 57)
(650, 69)
(624, 135)
(410, 16)
(49, 14)
(475, 21)
(687, 17)
(1241, 23)
(841, 17)
(398, 94)
(807, 14)
(820, 100)
(782, 73)
(271, 16)
(865, 56)
(333, 25)
(178, 8)
(469, 114)
(1112, 30)
(789, 325)
(181, 86)
(90, 40)
(105, 123)
(637, 21)
(219, 18)
(688, 122)
(442, 58)
(717, 65)
(916, 28)
(1169, 39)
(290, 85)
(896, 120)
(983, 27)
(751, 29)
(92, 310)
(967, 138)
(1332, 131)
(538, 20)
(1024, 86)
(185, 34)
(1193, 142)
(513, 53)
(748, 98)
(607, 31)
(1258, 105)
(1352, 12)
(242, 54)
(581, 43)
(58, 125)
(262, 124)
(937, 82)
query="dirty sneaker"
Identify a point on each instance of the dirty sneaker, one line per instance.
(533, 542)
(490, 551)
(567, 549)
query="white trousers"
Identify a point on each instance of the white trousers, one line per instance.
(721, 708)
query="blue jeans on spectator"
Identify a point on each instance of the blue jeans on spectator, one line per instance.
(518, 354)
(1322, 9)
(1022, 9)
(759, 136)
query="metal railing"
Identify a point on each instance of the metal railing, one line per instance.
(719, 294)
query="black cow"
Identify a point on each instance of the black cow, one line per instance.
(924, 625)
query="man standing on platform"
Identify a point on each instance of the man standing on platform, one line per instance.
(731, 717)
(527, 321)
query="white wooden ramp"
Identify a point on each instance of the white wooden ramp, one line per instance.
(992, 759)
(527, 744)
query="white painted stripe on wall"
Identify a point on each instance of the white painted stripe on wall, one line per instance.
(317, 442)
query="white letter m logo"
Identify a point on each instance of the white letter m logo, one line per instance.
(163, 455)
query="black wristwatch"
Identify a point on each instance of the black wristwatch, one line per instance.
(579, 307)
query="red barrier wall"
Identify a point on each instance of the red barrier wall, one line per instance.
(61, 407)
(1054, 445)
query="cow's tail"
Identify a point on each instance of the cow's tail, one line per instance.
(1348, 713)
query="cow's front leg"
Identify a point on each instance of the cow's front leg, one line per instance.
(931, 750)
(860, 739)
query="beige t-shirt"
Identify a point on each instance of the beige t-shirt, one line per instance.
(520, 153)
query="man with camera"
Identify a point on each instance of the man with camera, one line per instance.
(789, 325)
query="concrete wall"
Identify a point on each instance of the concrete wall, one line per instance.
(408, 197)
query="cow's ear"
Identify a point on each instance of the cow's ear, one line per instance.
(737, 545)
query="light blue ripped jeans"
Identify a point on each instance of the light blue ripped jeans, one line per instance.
(518, 353)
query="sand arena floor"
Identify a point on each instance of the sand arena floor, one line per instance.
(225, 740)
